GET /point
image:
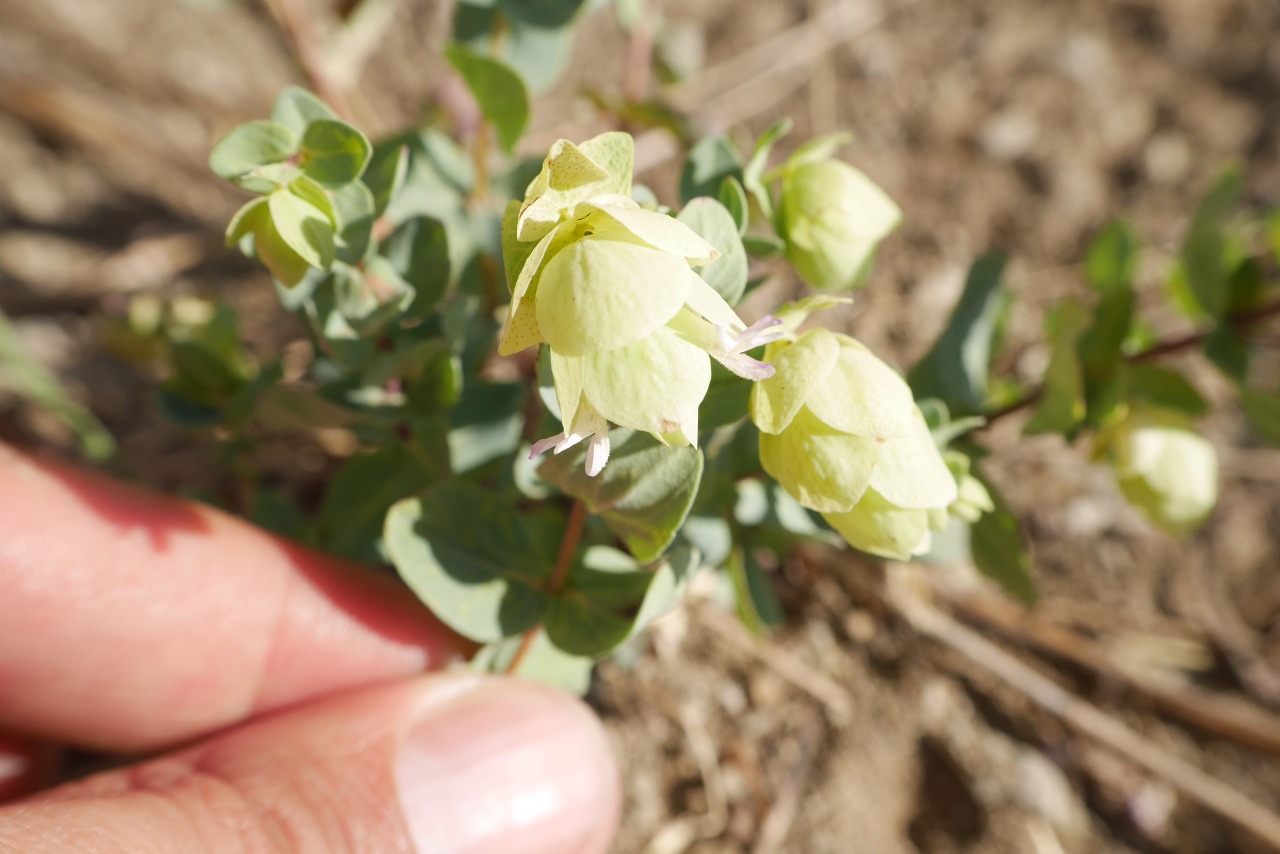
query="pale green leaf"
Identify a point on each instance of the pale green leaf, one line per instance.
(643, 494)
(710, 161)
(297, 108)
(303, 227)
(250, 146)
(334, 153)
(956, 369)
(1062, 403)
(498, 90)
(472, 559)
(713, 222)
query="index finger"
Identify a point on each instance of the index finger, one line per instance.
(130, 620)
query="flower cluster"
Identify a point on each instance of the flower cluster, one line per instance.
(610, 288)
(839, 429)
(832, 217)
(1164, 467)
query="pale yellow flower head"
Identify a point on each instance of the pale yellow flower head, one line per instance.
(840, 431)
(610, 288)
(1164, 467)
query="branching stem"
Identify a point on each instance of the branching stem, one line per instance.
(1241, 320)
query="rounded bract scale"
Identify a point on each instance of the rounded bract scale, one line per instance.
(599, 294)
(654, 385)
(823, 468)
(880, 527)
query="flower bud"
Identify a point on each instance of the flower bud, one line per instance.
(609, 288)
(1164, 467)
(972, 497)
(840, 431)
(832, 217)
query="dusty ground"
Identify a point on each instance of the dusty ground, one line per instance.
(1016, 124)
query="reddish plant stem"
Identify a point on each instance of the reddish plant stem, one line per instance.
(568, 546)
(1240, 321)
(294, 18)
(526, 644)
(639, 67)
(559, 575)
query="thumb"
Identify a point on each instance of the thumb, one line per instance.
(447, 763)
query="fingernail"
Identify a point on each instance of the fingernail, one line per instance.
(506, 766)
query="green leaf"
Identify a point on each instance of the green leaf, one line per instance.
(538, 54)
(498, 90)
(714, 224)
(1204, 249)
(758, 605)
(354, 210)
(609, 598)
(250, 146)
(313, 194)
(597, 607)
(1247, 285)
(726, 399)
(372, 297)
(1228, 351)
(1273, 230)
(1000, 550)
(1062, 404)
(734, 199)
(1165, 388)
(385, 176)
(357, 498)
(486, 424)
(753, 172)
(246, 220)
(541, 661)
(669, 581)
(643, 494)
(956, 368)
(819, 149)
(303, 227)
(546, 14)
(282, 408)
(707, 165)
(1263, 411)
(22, 374)
(334, 153)
(1112, 257)
(1100, 350)
(477, 562)
(275, 511)
(763, 245)
(419, 251)
(297, 108)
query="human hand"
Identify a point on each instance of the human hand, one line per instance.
(287, 681)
